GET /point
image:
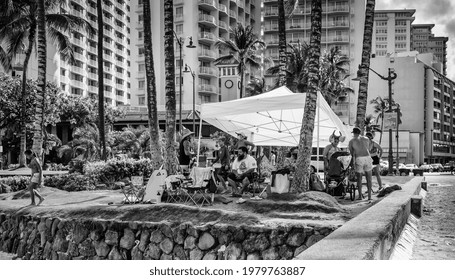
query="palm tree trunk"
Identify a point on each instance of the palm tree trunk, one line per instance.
(365, 64)
(155, 147)
(382, 128)
(301, 177)
(282, 42)
(101, 125)
(40, 98)
(242, 78)
(170, 155)
(28, 53)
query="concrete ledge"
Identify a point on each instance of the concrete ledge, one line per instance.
(372, 234)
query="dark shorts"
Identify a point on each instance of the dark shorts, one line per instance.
(375, 160)
(234, 178)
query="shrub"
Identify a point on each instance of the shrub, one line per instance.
(117, 169)
(69, 182)
(15, 183)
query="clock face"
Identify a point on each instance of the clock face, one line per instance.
(229, 84)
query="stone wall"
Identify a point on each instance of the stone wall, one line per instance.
(57, 239)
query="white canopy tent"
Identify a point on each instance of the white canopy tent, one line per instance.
(274, 118)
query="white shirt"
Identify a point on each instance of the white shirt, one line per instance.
(245, 164)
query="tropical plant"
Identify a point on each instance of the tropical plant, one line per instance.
(300, 183)
(363, 73)
(371, 124)
(296, 68)
(170, 155)
(18, 33)
(101, 125)
(256, 86)
(380, 106)
(154, 130)
(242, 50)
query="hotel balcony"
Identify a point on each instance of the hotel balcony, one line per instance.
(207, 20)
(204, 88)
(208, 4)
(208, 71)
(92, 76)
(223, 26)
(223, 9)
(92, 50)
(206, 37)
(78, 84)
(92, 63)
(119, 40)
(80, 57)
(271, 13)
(272, 42)
(234, 1)
(206, 54)
(233, 14)
(91, 10)
(271, 28)
(78, 70)
(269, 1)
(82, 3)
(241, 4)
(93, 89)
(337, 9)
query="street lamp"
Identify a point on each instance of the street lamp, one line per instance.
(431, 147)
(180, 41)
(189, 70)
(391, 76)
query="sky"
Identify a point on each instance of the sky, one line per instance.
(439, 12)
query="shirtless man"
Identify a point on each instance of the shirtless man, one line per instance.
(358, 146)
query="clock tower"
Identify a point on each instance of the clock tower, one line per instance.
(229, 82)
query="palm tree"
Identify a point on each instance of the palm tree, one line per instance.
(255, 86)
(242, 49)
(18, 33)
(363, 72)
(380, 106)
(101, 125)
(333, 71)
(371, 125)
(296, 68)
(170, 163)
(155, 146)
(282, 42)
(300, 183)
(42, 59)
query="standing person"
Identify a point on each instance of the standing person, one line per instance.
(223, 157)
(37, 177)
(242, 171)
(332, 148)
(243, 142)
(358, 146)
(376, 154)
(185, 152)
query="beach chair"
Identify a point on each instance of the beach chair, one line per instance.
(197, 191)
(133, 192)
(173, 188)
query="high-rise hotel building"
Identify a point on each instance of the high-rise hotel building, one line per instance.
(81, 78)
(342, 26)
(203, 22)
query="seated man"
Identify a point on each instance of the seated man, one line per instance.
(242, 171)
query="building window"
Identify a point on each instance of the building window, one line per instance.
(140, 34)
(179, 28)
(141, 51)
(142, 84)
(141, 100)
(141, 67)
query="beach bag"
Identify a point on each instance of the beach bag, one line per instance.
(316, 183)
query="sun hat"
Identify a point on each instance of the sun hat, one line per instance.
(186, 132)
(241, 134)
(356, 130)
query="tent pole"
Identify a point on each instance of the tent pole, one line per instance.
(317, 152)
(199, 141)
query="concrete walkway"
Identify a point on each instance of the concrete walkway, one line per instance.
(25, 171)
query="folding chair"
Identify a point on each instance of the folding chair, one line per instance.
(197, 191)
(173, 188)
(255, 186)
(134, 192)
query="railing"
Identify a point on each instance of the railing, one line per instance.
(207, 18)
(208, 70)
(209, 2)
(91, 10)
(271, 28)
(80, 57)
(206, 53)
(77, 83)
(207, 88)
(271, 13)
(332, 9)
(223, 25)
(93, 76)
(232, 14)
(207, 36)
(134, 109)
(223, 8)
(92, 49)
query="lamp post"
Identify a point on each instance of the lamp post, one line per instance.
(180, 41)
(189, 70)
(391, 76)
(431, 147)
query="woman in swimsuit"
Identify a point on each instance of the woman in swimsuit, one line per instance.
(36, 178)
